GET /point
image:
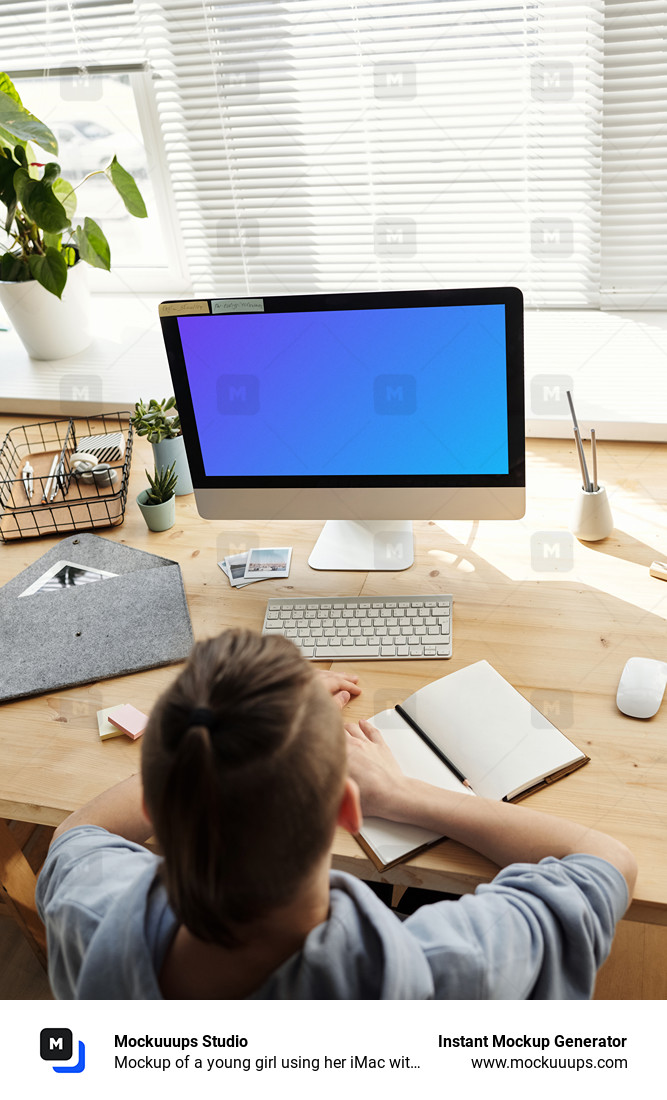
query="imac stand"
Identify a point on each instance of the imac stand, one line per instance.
(375, 545)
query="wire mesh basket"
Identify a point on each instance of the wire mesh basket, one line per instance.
(61, 502)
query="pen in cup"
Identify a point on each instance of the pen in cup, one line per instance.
(594, 456)
(588, 488)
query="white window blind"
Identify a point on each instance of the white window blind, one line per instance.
(634, 158)
(346, 146)
(317, 145)
(42, 35)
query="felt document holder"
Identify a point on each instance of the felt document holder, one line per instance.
(117, 625)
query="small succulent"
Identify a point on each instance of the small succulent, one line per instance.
(152, 420)
(162, 484)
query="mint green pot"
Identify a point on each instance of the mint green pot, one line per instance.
(159, 517)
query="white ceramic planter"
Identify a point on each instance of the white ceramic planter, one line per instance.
(173, 450)
(159, 517)
(50, 327)
(591, 516)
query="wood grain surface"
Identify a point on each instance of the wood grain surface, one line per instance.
(556, 617)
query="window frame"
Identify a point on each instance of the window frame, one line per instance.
(121, 279)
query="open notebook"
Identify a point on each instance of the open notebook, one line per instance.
(471, 724)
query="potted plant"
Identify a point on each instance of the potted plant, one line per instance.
(157, 504)
(41, 281)
(162, 427)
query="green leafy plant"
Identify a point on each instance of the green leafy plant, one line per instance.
(162, 485)
(152, 420)
(40, 207)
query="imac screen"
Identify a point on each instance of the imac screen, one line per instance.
(412, 392)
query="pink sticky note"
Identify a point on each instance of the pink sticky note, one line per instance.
(130, 720)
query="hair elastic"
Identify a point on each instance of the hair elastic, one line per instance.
(202, 716)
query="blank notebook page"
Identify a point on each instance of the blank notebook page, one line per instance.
(494, 736)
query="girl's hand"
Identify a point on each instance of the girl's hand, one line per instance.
(341, 685)
(372, 765)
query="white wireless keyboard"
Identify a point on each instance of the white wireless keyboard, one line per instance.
(333, 628)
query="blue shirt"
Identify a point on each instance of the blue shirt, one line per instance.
(536, 931)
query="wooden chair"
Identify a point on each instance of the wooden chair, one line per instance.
(23, 848)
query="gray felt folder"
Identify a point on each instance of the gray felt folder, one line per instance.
(138, 619)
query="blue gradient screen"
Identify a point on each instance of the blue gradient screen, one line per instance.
(350, 393)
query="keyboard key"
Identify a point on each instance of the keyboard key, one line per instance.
(332, 652)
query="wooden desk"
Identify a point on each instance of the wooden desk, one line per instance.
(556, 617)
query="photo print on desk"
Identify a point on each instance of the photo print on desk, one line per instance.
(66, 574)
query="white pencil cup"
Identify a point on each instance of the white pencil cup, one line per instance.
(591, 518)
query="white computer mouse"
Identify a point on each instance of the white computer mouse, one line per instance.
(641, 687)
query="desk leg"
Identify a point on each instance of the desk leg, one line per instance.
(17, 887)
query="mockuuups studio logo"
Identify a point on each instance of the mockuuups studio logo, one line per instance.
(392, 549)
(548, 394)
(552, 551)
(395, 237)
(238, 394)
(55, 1045)
(552, 708)
(80, 387)
(395, 394)
(395, 79)
(240, 80)
(551, 237)
(81, 88)
(237, 236)
(552, 81)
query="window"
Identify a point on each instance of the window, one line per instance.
(79, 67)
(345, 146)
(340, 145)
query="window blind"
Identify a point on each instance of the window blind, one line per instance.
(39, 36)
(634, 156)
(317, 145)
(348, 146)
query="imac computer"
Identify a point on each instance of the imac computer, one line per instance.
(366, 410)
